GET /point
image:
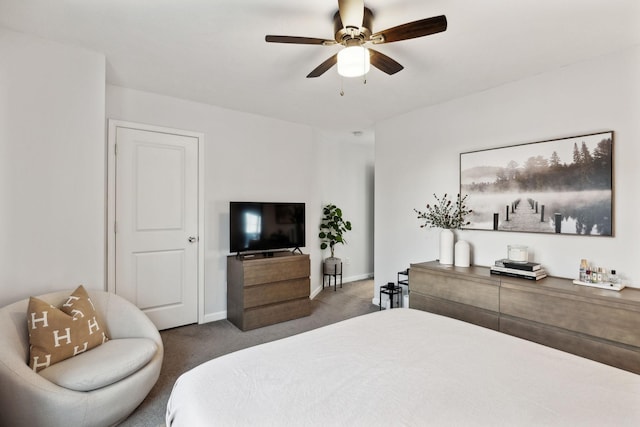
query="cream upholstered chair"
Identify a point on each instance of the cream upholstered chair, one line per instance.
(102, 386)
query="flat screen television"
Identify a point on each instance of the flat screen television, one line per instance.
(266, 227)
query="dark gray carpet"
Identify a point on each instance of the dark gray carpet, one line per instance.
(189, 346)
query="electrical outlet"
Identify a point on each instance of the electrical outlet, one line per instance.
(347, 260)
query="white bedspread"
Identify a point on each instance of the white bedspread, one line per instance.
(403, 367)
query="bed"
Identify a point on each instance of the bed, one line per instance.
(403, 367)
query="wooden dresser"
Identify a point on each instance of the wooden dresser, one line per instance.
(262, 291)
(598, 324)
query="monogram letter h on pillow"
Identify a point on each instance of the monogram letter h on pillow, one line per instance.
(56, 334)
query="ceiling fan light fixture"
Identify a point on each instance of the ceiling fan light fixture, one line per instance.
(353, 61)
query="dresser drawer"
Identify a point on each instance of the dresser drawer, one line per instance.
(609, 321)
(275, 313)
(275, 292)
(470, 290)
(271, 270)
(466, 313)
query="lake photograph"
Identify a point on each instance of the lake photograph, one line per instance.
(561, 186)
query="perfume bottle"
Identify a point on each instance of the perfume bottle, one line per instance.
(583, 270)
(613, 277)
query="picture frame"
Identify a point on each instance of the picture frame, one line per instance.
(561, 186)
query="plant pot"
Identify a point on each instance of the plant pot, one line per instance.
(332, 265)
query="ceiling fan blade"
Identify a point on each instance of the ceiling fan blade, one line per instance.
(322, 68)
(411, 30)
(383, 63)
(298, 40)
(351, 13)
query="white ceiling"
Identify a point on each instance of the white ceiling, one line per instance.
(213, 51)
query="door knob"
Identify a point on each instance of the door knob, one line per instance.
(192, 239)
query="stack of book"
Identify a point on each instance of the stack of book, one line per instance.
(521, 270)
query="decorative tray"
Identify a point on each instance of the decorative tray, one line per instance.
(603, 285)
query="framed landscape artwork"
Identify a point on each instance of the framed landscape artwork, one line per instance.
(562, 186)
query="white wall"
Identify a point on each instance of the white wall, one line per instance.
(345, 174)
(52, 169)
(53, 159)
(249, 157)
(417, 154)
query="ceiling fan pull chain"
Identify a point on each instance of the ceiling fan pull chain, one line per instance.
(364, 66)
(341, 86)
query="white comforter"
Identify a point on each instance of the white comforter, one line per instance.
(403, 367)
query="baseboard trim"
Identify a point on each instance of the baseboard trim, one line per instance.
(213, 317)
(315, 293)
(359, 277)
(366, 276)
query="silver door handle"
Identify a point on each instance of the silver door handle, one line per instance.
(192, 239)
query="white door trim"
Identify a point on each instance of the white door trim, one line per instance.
(111, 205)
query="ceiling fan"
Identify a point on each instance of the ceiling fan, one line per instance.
(352, 28)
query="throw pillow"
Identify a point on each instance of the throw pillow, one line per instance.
(56, 334)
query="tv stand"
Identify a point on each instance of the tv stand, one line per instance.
(296, 249)
(263, 290)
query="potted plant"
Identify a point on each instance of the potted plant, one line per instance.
(332, 229)
(446, 215)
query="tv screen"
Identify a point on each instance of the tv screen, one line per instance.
(261, 227)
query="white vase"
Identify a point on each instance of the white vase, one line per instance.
(446, 246)
(462, 254)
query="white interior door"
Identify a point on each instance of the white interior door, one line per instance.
(156, 224)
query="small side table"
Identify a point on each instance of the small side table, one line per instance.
(390, 289)
(405, 281)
